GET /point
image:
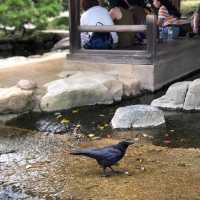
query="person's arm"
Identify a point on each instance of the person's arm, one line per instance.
(160, 21)
(162, 15)
(115, 13)
(196, 22)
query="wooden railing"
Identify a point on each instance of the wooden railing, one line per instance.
(114, 28)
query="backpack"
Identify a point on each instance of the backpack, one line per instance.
(99, 40)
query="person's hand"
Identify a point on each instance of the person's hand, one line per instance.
(115, 13)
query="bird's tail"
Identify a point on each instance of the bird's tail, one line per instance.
(84, 152)
(77, 152)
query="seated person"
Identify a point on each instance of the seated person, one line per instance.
(196, 21)
(168, 15)
(127, 12)
(94, 14)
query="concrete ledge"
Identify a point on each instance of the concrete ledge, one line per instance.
(123, 71)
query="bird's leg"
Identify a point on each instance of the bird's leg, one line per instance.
(116, 171)
(112, 169)
(104, 172)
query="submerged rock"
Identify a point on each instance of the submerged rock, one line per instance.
(83, 88)
(51, 126)
(137, 116)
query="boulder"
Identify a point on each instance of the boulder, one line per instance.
(137, 116)
(174, 97)
(83, 88)
(61, 45)
(26, 85)
(15, 100)
(192, 100)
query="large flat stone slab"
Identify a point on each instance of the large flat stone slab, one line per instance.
(83, 88)
(137, 116)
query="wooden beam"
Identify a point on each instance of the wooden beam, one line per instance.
(96, 56)
(138, 53)
(151, 21)
(74, 15)
(114, 28)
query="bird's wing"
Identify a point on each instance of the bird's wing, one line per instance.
(106, 153)
(109, 156)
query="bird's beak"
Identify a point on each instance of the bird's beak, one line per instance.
(130, 142)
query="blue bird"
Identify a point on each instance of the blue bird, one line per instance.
(106, 156)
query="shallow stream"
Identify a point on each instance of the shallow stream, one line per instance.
(182, 129)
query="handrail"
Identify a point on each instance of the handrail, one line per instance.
(114, 28)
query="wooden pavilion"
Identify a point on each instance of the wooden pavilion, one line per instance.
(155, 65)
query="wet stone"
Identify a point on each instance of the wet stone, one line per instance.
(137, 116)
(52, 126)
(14, 192)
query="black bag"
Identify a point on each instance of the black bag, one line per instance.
(99, 40)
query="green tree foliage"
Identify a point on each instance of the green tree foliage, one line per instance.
(18, 12)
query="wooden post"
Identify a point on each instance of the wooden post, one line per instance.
(74, 14)
(151, 21)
